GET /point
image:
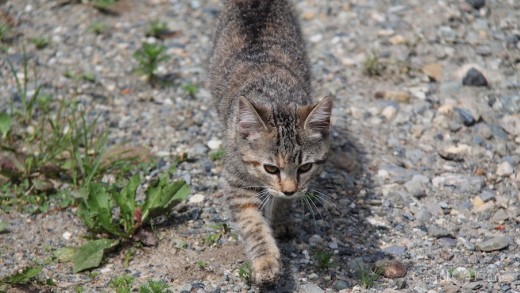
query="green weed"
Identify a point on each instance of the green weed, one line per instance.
(23, 277)
(201, 264)
(217, 154)
(99, 201)
(222, 229)
(148, 59)
(157, 29)
(152, 286)
(40, 42)
(245, 272)
(47, 144)
(97, 28)
(122, 284)
(190, 89)
(366, 275)
(4, 31)
(323, 259)
(372, 65)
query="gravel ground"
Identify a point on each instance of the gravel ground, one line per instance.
(425, 180)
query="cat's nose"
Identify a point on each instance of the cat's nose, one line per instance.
(289, 193)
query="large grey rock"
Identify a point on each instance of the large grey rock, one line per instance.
(494, 243)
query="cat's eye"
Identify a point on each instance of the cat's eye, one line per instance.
(304, 168)
(271, 169)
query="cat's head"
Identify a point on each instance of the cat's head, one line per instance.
(283, 148)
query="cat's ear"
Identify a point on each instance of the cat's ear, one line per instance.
(318, 120)
(249, 120)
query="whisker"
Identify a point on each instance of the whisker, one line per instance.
(313, 215)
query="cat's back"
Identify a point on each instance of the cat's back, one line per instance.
(258, 46)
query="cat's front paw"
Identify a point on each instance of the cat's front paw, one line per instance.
(285, 231)
(266, 270)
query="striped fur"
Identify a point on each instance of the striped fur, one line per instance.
(277, 139)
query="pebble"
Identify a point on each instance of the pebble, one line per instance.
(455, 153)
(465, 116)
(340, 285)
(505, 169)
(214, 144)
(391, 269)
(398, 96)
(438, 232)
(395, 250)
(197, 198)
(67, 235)
(389, 112)
(474, 78)
(333, 245)
(313, 276)
(494, 243)
(499, 216)
(433, 71)
(415, 188)
(511, 124)
(311, 288)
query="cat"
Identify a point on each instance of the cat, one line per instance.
(277, 138)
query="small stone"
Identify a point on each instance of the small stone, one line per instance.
(340, 285)
(505, 169)
(415, 188)
(197, 198)
(465, 116)
(474, 78)
(395, 250)
(67, 235)
(448, 241)
(311, 288)
(333, 245)
(466, 243)
(214, 144)
(494, 243)
(433, 71)
(389, 112)
(499, 216)
(455, 153)
(446, 255)
(316, 38)
(398, 96)
(483, 50)
(390, 268)
(313, 276)
(451, 87)
(476, 4)
(423, 216)
(438, 232)
(315, 240)
(397, 40)
(509, 277)
(511, 124)
(486, 196)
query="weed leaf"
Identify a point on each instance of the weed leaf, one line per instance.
(24, 277)
(164, 195)
(96, 209)
(91, 253)
(5, 124)
(126, 202)
(66, 254)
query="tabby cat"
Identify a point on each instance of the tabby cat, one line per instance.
(277, 139)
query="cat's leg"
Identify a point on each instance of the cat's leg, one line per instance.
(260, 244)
(281, 218)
